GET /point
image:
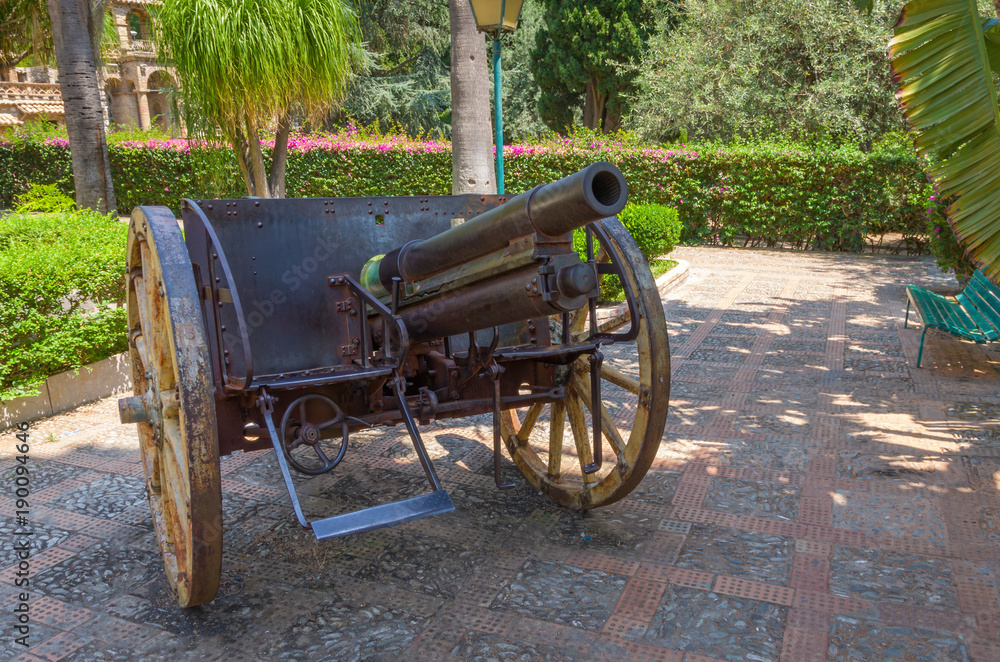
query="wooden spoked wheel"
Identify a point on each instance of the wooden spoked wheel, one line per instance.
(174, 399)
(550, 443)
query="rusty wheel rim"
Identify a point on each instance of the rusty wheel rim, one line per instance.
(170, 368)
(550, 443)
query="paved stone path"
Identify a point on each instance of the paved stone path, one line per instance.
(817, 497)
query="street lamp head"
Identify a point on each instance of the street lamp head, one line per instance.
(495, 16)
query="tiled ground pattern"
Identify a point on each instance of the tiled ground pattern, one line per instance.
(816, 498)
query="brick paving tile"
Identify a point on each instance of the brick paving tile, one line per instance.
(813, 548)
(980, 552)
(807, 619)
(745, 588)
(639, 652)
(78, 542)
(691, 578)
(703, 516)
(810, 572)
(621, 628)
(663, 547)
(658, 572)
(977, 595)
(673, 526)
(816, 497)
(58, 647)
(640, 599)
(800, 645)
(828, 603)
(984, 650)
(59, 614)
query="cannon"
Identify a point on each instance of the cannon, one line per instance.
(296, 323)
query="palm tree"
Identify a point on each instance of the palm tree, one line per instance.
(247, 65)
(471, 137)
(75, 30)
(943, 58)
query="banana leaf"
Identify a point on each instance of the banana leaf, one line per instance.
(943, 57)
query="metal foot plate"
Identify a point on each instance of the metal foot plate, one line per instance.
(387, 514)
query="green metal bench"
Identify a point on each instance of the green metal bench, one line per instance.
(973, 314)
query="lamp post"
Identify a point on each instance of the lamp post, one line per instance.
(494, 17)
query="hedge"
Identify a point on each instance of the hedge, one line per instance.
(62, 294)
(810, 196)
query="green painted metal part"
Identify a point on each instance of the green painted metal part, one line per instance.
(973, 314)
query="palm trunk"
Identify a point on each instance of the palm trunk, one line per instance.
(257, 171)
(472, 168)
(279, 159)
(82, 102)
(242, 150)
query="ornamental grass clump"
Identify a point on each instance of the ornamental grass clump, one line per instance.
(62, 291)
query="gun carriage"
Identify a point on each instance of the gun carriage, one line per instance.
(295, 323)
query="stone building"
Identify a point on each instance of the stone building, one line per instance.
(136, 85)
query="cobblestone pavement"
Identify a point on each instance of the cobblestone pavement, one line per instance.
(816, 497)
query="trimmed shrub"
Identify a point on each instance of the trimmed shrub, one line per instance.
(62, 294)
(656, 228)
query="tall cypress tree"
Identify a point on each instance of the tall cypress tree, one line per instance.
(589, 54)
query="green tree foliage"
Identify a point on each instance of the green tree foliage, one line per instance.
(586, 58)
(247, 65)
(25, 30)
(769, 67)
(520, 91)
(655, 228)
(404, 83)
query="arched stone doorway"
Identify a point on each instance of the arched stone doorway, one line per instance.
(160, 84)
(122, 103)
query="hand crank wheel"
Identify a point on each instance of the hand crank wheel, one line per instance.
(302, 439)
(635, 387)
(174, 405)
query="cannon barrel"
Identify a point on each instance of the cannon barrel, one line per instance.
(598, 191)
(481, 274)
